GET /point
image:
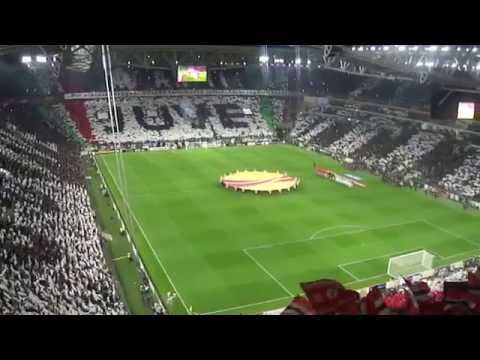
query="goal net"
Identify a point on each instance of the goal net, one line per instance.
(408, 264)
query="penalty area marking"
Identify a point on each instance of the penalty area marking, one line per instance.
(146, 239)
(345, 284)
(366, 229)
(348, 272)
(267, 272)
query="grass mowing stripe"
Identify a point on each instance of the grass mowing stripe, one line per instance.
(146, 239)
(331, 236)
(451, 233)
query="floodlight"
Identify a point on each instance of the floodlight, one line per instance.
(41, 59)
(27, 59)
(263, 59)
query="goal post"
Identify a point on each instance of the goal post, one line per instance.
(410, 263)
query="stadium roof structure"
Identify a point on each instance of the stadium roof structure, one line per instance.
(450, 65)
(454, 65)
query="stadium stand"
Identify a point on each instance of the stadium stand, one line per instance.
(400, 152)
(51, 256)
(51, 259)
(182, 119)
(464, 180)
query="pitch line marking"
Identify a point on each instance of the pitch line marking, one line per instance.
(451, 233)
(462, 253)
(147, 240)
(266, 246)
(436, 254)
(267, 272)
(334, 227)
(348, 272)
(120, 258)
(346, 284)
(382, 256)
(367, 278)
(246, 306)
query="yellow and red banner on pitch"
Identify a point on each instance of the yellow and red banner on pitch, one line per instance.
(347, 180)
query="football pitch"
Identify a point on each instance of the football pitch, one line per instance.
(226, 252)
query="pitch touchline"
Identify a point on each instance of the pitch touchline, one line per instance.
(246, 306)
(146, 239)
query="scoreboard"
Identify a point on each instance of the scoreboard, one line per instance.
(466, 110)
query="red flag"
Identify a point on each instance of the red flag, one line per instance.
(373, 303)
(432, 308)
(348, 303)
(397, 301)
(461, 292)
(412, 307)
(456, 309)
(474, 299)
(323, 294)
(299, 306)
(455, 291)
(420, 290)
(474, 279)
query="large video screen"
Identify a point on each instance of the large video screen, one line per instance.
(191, 73)
(466, 110)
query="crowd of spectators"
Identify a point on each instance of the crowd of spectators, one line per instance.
(401, 152)
(51, 259)
(310, 82)
(135, 78)
(354, 139)
(465, 180)
(399, 165)
(182, 120)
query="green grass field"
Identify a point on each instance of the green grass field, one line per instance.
(226, 252)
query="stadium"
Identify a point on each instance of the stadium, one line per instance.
(239, 180)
